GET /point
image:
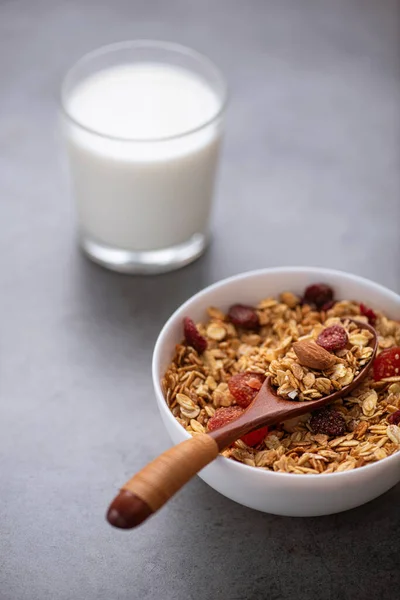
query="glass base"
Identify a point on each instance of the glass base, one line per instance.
(149, 262)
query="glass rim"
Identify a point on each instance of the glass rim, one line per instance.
(145, 43)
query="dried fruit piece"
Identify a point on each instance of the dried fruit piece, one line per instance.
(394, 418)
(333, 338)
(255, 437)
(328, 421)
(318, 294)
(244, 387)
(369, 313)
(223, 416)
(387, 364)
(243, 316)
(193, 337)
(328, 305)
(313, 356)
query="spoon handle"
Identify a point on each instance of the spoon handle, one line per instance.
(154, 485)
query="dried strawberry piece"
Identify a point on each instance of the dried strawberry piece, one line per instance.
(369, 313)
(223, 416)
(333, 338)
(255, 437)
(243, 316)
(244, 387)
(193, 337)
(328, 421)
(318, 294)
(387, 364)
(394, 418)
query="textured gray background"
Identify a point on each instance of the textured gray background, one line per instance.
(309, 176)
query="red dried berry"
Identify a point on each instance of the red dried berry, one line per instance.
(244, 387)
(387, 364)
(222, 416)
(369, 313)
(329, 422)
(333, 338)
(328, 305)
(243, 316)
(394, 418)
(318, 294)
(193, 337)
(255, 437)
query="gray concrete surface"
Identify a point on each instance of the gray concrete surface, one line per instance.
(309, 176)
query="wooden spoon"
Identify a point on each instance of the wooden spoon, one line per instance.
(154, 485)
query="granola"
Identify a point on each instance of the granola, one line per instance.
(298, 382)
(195, 384)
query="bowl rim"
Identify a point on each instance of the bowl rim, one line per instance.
(317, 271)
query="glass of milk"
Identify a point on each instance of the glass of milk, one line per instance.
(143, 122)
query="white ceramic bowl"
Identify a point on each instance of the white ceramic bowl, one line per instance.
(280, 493)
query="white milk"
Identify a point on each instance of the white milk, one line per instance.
(133, 190)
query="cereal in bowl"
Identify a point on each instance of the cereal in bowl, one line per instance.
(311, 347)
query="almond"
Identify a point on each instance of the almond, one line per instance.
(313, 356)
